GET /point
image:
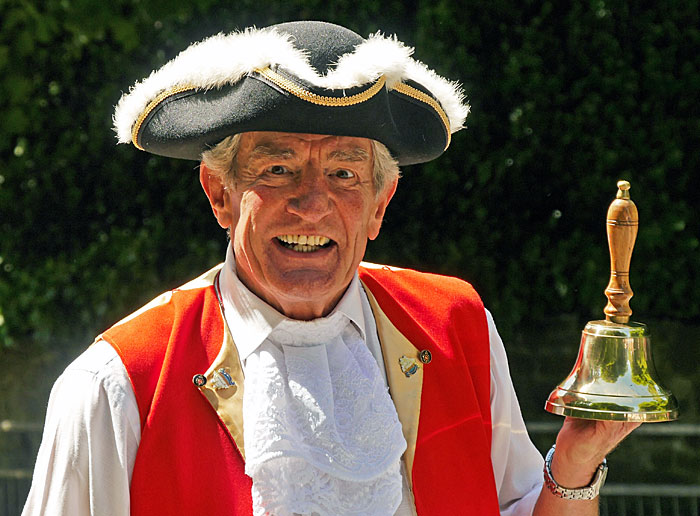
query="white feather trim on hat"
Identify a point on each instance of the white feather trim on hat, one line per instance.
(449, 93)
(226, 58)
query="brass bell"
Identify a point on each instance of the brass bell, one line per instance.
(614, 378)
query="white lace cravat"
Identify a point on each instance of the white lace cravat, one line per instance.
(322, 434)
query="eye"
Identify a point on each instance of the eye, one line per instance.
(277, 170)
(343, 174)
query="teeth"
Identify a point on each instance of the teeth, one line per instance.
(304, 243)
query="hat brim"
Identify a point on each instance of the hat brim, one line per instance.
(185, 122)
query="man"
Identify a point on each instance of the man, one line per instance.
(261, 386)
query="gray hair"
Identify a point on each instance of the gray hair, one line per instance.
(221, 160)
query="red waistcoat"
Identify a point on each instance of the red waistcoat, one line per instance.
(189, 463)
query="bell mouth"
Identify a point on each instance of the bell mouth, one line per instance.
(649, 409)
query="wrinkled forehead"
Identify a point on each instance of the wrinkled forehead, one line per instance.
(263, 144)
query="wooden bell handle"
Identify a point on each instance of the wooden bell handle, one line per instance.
(622, 225)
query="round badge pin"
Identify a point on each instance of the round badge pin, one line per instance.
(425, 356)
(199, 380)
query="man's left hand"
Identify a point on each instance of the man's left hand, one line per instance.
(582, 444)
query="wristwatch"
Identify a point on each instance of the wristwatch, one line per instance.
(582, 493)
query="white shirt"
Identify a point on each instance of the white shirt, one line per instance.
(92, 428)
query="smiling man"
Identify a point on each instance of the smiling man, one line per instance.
(295, 379)
(302, 207)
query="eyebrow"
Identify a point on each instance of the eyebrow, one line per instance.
(270, 150)
(267, 150)
(354, 154)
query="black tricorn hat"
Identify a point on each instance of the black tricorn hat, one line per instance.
(300, 77)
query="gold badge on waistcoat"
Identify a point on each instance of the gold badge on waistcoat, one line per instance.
(221, 379)
(409, 366)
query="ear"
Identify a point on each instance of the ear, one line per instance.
(375, 222)
(218, 196)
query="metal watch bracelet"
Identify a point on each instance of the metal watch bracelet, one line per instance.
(583, 493)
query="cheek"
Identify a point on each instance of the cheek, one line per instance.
(358, 214)
(250, 214)
(248, 207)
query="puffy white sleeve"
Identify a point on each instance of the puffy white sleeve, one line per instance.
(517, 464)
(91, 435)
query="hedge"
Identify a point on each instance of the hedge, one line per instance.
(566, 98)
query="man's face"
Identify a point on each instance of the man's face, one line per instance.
(302, 209)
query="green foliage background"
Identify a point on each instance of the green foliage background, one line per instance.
(567, 97)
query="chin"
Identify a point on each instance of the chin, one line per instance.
(312, 291)
(321, 292)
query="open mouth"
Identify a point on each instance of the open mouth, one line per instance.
(304, 243)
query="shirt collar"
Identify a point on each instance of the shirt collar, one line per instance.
(251, 320)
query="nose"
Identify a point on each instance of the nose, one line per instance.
(311, 199)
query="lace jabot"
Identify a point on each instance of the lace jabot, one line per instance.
(322, 434)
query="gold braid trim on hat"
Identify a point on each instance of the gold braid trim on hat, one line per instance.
(423, 97)
(149, 109)
(321, 100)
(402, 88)
(298, 91)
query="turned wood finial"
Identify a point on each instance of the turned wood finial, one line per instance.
(622, 224)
